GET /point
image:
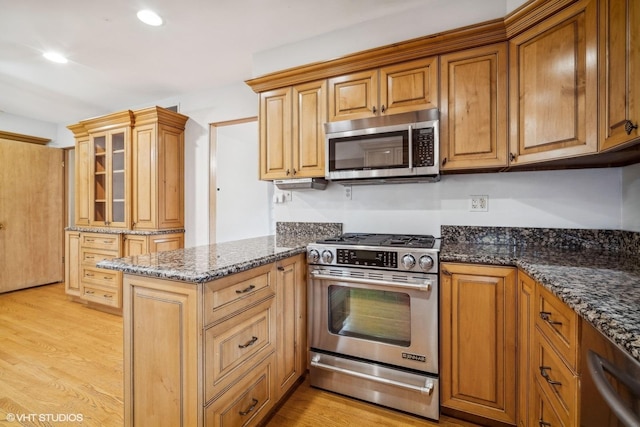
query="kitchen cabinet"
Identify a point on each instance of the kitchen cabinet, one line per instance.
(82, 182)
(553, 87)
(526, 329)
(97, 285)
(397, 88)
(135, 244)
(292, 131)
(478, 340)
(619, 61)
(216, 353)
(72, 263)
(291, 322)
(473, 108)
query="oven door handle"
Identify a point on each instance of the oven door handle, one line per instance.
(427, 389)
(425, 286)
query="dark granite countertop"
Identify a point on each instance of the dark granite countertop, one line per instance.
(204, 263)
(107, 230)
(602, 286)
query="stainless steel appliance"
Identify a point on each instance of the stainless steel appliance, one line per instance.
(610, 386)
(373, 319)
(388, 148)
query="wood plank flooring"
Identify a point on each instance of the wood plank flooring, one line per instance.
(60, 359)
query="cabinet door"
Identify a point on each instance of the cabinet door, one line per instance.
(553, 87)
(353, 96)
(309, 116)
(82, 182)
(619, 59)
(144, 177)
(409, 86)
(275, 134)
(166, 242)
(291, 322)
(526, 329)
(170, 200)
(72, 263)
(135, 245)
(473, 114)
(478, 334)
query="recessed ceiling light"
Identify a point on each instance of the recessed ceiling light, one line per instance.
(55, 57)
(149, 17)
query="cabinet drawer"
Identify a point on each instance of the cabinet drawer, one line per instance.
(247, 401)
(102, 295)
(559, 324)
(233, 346)
(99, 276)
(101, 241)
(228, 295)
(543, 413)
(556, 380)
(90, 256)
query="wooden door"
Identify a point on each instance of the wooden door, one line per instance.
(473, 114)
(309, 116)
(31, 214)
(478, 334)
(353, 96)
(619, 59)
(275, 134)
(409, 86)
(553, 87)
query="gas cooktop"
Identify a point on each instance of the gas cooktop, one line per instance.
(384, 240)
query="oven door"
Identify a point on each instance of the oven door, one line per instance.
(389, 318)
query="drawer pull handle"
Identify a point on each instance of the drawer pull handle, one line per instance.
(106, 241)
(107, 296)
(543, 423)
(106, 277)
(254, 402)
(249, 343)
(89, 292)
(545, 375)
(89, 274)
(546, 316)
(90, 257)
(91, 240)
(247, 289)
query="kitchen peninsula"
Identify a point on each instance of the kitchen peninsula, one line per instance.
(218, 332)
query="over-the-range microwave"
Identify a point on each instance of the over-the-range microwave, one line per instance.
(388, 148)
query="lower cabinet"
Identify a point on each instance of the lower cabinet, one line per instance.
(220, 353)
(100, 288)
(478, 341)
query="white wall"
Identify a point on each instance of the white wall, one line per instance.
(631, 198)
(26, 126)
(588, 198)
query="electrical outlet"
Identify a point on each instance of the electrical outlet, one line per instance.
(479, 203)
(347, 192)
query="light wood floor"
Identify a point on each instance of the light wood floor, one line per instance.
(59, 357)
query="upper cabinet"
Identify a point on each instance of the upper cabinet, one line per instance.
(292, 131)
(398, 88)
(129, 170)
(473, 108)
(553, 87)
(619, 60)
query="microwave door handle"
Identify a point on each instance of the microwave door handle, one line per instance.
(410, 148)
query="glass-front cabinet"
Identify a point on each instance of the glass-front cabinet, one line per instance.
(109, 174)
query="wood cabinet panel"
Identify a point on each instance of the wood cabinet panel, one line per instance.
(166, 242)
(353, 96)
(526, 329)
(542, 410)
(409, 86)
(473, 114)
(135, 245)
(82, 181)
(619, 61)
(275, 134)
(144, 153)
(170, 179)
(72, 263)
(309, 116)
(553, 87)
(478, 312)
(161, 336)
(291, 322)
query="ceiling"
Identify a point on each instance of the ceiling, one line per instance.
(116, 62)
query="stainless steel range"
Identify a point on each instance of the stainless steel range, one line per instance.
(373, 319)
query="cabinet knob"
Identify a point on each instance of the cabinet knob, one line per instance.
(374, 109)
(629, 126)
(512, 157)
(383, 109)
(288, 172)
(444, 161)
(294, 171)
(1, 226)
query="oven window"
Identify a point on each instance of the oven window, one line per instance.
(370, 314)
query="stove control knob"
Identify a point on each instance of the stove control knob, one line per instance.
(327, 257)
(313, 256)
(408, 261)
(426, 262)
